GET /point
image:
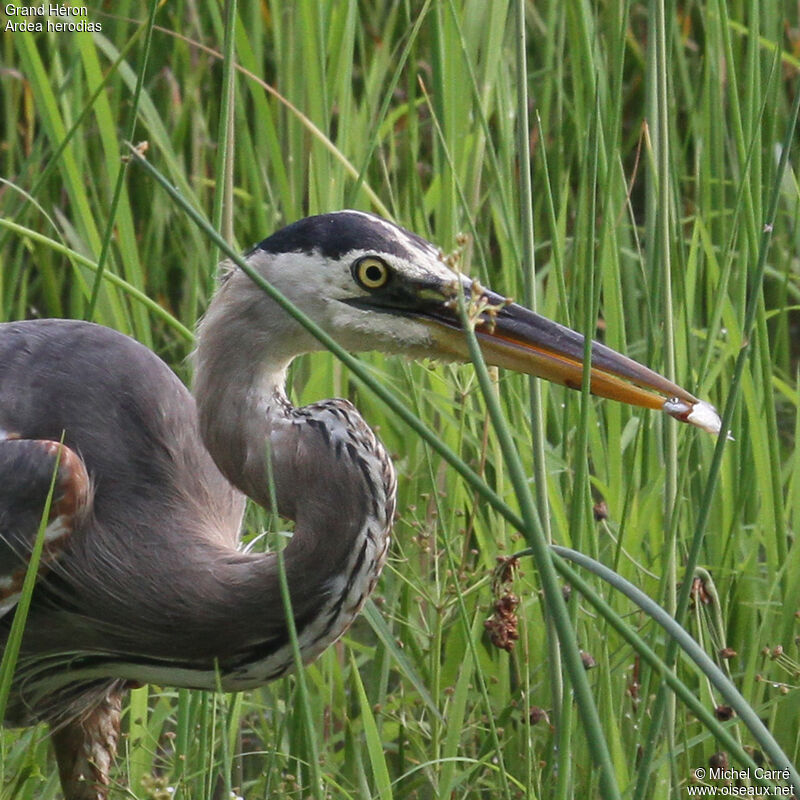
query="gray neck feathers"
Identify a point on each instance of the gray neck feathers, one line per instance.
(321, 463)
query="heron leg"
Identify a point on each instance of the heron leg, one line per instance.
(85, 749)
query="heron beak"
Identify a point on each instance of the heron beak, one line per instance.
(514, 337)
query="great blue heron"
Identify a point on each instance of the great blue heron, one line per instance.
(142, 579)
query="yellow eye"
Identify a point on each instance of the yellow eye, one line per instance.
(371, 272)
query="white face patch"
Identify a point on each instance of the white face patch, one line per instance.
(321, 286)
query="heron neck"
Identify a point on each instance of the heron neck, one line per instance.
(239, 420)
(240, 389)
(320, 466)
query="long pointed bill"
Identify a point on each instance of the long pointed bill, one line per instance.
(514, 337)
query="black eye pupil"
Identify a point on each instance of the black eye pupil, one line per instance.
(370, 272)
(374, 273)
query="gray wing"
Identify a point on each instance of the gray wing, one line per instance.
(124, 412)
(138, 501)
(27, 468)
(126, 418)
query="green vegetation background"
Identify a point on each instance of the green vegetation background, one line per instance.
(655, 134)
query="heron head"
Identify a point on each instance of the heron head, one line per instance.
(373, 285)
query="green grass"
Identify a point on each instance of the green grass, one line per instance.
(655, 135)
